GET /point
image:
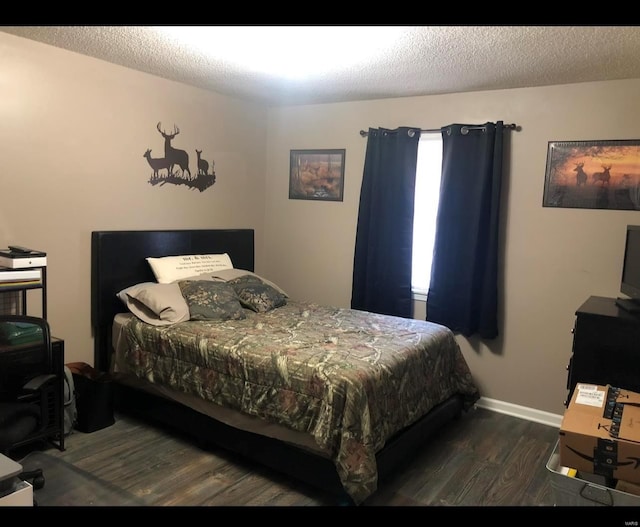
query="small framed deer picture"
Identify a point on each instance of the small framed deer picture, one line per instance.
(316, 174)
(593, 175)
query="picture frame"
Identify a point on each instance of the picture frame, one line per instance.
(317, 174)
(593, 174)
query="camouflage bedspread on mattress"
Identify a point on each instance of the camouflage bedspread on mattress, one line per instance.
(351, 379)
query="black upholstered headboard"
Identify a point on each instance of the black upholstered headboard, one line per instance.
(118, 261)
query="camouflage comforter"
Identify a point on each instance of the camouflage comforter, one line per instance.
(350, 379)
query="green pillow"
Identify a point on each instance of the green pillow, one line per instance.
(256, 294)
(209, 300)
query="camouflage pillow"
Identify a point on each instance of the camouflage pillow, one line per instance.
(209, 300)
(256, 294)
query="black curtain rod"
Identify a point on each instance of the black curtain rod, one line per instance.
(515, 127)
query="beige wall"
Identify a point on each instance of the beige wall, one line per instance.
(74, 130)
(552, 259)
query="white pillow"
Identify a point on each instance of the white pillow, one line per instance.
(157, 304)
(171, 268)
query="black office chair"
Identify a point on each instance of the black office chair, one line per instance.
(29, 387)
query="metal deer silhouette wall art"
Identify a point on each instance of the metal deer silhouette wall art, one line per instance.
(174, 168)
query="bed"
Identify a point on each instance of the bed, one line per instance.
(334, 397)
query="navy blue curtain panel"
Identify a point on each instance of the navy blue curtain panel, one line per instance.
(384, 233)
(463, 292)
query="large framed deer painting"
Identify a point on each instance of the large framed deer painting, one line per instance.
(593, 174)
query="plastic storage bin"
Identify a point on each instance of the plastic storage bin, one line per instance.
(574, 491)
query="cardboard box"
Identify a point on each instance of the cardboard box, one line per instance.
(600, 432)
(629, 488)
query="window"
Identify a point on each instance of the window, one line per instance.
(427, 195)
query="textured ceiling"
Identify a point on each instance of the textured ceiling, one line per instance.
(426, 60)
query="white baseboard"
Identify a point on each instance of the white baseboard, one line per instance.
(522, 412)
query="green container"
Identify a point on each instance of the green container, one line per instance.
(19, 333)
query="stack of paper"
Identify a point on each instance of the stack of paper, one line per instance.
(19, 277)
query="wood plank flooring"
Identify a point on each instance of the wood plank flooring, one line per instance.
(483, 459)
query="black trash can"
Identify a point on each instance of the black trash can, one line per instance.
(94, 397)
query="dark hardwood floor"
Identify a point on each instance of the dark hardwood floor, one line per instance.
(483, 459)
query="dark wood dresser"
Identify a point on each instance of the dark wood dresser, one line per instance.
(606, 346)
